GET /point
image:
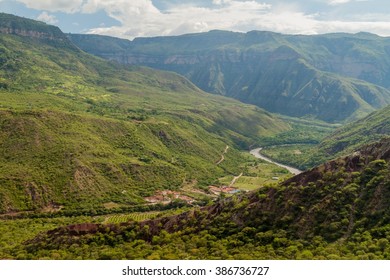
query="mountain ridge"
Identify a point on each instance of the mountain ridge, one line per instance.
(296, 75)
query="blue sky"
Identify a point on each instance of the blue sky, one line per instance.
(143, 18)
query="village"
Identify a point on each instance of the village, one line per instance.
(167, 196)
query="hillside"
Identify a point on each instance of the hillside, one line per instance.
(334, 77)
(78, 133)
(363, 131)
(349, 137)
(339, 210)
(340, 142)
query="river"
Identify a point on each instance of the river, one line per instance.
(257, 154)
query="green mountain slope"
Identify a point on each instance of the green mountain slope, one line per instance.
(77, 132)
(333, 77)
(339, 210)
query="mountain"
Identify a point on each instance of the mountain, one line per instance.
(338, 210)
(83, 139)
(333, 77)
(78, 132)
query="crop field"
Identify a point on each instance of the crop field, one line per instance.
(138, 216)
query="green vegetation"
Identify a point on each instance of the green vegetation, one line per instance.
(340, 142)
(297, 146)
(83, 142)
(294, 154)
(14, 232)
(77, 132)
(304, 131)
(116, 219)
(339, 210)
(350, 137)
(140, 216)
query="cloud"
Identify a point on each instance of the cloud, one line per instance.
(220, 2)
(45, 17)
(338, 2)
(67, 6)
(143, 18)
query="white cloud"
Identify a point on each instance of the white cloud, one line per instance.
(67, 6)
(141, 18)
(45, 17)
(338, 2)
(220, 2)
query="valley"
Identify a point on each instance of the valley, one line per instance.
(114, 157)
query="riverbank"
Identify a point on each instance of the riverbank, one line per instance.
(257, 154)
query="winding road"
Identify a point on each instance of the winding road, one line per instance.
(223, 155)
(257, 154)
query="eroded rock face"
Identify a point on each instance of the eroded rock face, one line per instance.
(27, 33)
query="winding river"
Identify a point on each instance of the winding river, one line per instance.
(257, 154)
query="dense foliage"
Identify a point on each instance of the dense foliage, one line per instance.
(339, 210)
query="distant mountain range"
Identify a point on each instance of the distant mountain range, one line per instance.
(333, 77)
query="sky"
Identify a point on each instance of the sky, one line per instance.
(147, 18)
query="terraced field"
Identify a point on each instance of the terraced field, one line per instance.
(122, 218)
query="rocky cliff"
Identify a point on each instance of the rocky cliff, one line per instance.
(13, 25)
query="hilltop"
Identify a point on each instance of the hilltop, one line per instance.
(333, 77)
